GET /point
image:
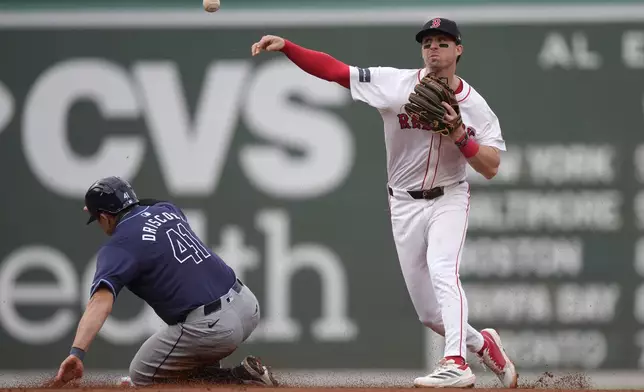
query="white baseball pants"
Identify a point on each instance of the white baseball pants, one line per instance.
(429, 237)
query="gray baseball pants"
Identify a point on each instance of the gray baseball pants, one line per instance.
(177, 351)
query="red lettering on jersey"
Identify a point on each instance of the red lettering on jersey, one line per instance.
(403, 120)
(415, 123)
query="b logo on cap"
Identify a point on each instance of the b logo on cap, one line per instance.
(436, 22)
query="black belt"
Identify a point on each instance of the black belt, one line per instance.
(216, 305)
(427, 194)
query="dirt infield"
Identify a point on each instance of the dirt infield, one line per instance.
(215, 388)
(545, 381)
(239, 389)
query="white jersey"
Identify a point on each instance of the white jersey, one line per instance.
(418, 159)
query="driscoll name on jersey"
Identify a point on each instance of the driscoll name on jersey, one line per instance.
(152, 224)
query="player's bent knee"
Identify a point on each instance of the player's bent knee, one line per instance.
(139, 378)
(140, 381)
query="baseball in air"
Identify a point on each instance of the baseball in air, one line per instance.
(211, 5)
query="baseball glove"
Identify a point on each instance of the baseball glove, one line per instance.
(425, 104)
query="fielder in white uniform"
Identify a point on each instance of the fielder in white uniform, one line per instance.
(428, 193)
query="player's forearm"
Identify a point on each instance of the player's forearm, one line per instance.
(486, 161)
(98, 309)
(318, 64)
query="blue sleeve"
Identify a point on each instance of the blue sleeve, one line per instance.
(115, 268)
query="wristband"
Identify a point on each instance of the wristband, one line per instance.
(77, 352)
(469, 147)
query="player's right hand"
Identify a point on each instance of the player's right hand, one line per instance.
(269, 43)
(70, 369)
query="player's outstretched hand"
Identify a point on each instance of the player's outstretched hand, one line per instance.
(268, 43)
(71, 369)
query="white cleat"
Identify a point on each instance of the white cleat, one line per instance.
(448, 374)
(495, 359)
(125, 382)
(260, 374)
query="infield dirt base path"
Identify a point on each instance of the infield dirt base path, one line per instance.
(284, 389)
(546, 381)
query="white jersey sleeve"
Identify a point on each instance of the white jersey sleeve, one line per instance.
(376, 86)
(490, 133)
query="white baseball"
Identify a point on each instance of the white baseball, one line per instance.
(211, 5)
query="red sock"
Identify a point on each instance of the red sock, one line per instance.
(458, 360)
